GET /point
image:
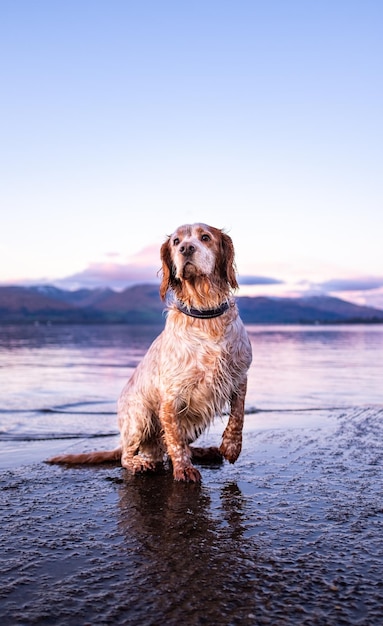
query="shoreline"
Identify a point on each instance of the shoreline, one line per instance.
(18, 452)
(290, 534)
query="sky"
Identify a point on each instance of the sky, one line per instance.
(123, 119)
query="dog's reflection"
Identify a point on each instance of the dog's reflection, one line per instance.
(183, 525)
(158, 510)
(233, 509)
(192, 561)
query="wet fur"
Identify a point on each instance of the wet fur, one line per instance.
(194, 370)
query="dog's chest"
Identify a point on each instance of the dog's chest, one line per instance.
(199, 370)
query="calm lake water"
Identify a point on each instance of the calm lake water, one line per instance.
(63, 381)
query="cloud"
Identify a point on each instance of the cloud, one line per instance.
(351, 284)
(117, 271)
(259, 280)
(150, 255)
(362, 290)
(113, 275)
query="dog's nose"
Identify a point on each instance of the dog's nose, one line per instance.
(187, 249)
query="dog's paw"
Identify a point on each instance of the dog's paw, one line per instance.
(140, 465)
(187, 474)
(231, 450)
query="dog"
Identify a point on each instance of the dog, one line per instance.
(195, 370)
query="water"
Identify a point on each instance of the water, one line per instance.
(63, 381)
(316, 366)
(290, 534)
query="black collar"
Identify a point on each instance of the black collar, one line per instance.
(203, 314)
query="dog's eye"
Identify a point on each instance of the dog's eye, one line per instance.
(176, 241)
(205, 238)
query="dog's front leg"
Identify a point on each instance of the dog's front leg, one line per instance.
(177, 446)
(231, 444)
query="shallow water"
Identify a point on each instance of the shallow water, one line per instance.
(291, 534)
(64, 380)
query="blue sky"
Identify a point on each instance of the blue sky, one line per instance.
(121, 120)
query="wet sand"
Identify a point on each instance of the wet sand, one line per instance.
(291, 534)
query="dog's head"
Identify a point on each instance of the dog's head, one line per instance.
(195, 252)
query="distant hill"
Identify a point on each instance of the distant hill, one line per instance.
(141, 304)
(306, 310)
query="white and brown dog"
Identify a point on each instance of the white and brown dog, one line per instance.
(194, 370)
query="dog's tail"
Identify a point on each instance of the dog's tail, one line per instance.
(103, 456)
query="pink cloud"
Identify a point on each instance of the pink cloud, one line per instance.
(109, 274)
(117, 271)
(150, 255)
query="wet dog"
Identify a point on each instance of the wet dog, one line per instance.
(195, 370)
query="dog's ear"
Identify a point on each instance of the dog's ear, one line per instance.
(227, 265)
(167, 269)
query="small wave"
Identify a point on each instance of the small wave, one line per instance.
(71, 405)
(248, 410)
(254, 410)
(62, 411)
(52, 410)
(25, 436)
(53, 436)
(69, 409)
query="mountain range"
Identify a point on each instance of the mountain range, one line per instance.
(141, 304)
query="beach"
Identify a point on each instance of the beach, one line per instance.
(290, 534)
